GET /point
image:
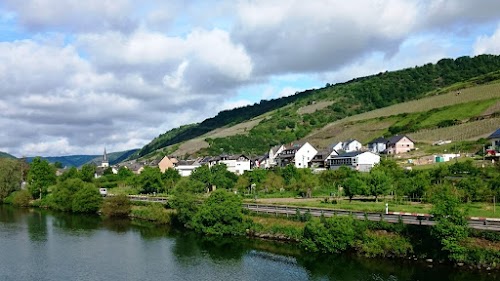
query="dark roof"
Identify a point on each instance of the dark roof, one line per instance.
(397, 138)
(282, 155)
(275, 148)
(495, 135)
(349, 154)
(379, 140)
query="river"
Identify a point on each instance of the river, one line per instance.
(42, 245)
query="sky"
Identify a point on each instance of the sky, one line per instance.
(77, 76)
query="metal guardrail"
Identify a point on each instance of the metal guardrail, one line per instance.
(414, 219)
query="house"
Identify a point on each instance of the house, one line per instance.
(399, 144)
(298, 154)
(320, 160)
(347, 146)
(351, 145)
(166, 163)
(362, 161)
(378, 145)
(273, 153)
(495, 143)
(186, 167)
(237, 164)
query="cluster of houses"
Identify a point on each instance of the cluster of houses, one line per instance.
(350, 153)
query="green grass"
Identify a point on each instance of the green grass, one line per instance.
(458, 112)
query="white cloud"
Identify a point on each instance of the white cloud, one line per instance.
(488, 44)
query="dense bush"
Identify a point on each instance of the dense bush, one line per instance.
(333, 235)
(221, 214)
(75, 195)
(21, 198)
(116, 206)
(153, 212)
(86, 200)
(383, 244)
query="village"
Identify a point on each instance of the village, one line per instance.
(350, 153)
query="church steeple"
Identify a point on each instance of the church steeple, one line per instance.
(105, 162)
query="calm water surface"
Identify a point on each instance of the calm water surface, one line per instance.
(41, 245)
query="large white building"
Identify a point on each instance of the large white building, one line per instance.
(362, 161)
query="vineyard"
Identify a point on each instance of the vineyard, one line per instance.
(467, 131)
(483, 92)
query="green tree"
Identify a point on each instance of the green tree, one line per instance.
(71, 173)
(118, 206)
(87, 199)
(451, 229)
(273, 182)
(353, 186)
(58, 165)
(379, 183)
(150, 180)
(62, 194)
(87, 172)
(10, 176)
(290, 174)
(170, 177)
(124, 173)
(184, 201)
(333, 235)
(220, 214)
(40, 176)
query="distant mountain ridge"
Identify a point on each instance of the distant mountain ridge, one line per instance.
(6, 155)
(80, 160)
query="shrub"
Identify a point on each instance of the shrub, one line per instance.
(116, 206)
(384, 244)
(86, 200)
(334, 235)
(154, 212)
(221, 214)
(21, 198)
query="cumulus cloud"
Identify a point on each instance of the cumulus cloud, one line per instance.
(73, 15)
(78, 75)
(488, 44)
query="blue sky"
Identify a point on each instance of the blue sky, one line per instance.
(76, 76)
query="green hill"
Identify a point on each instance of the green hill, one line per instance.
(305, 115)
(6, 155)
(79, 160)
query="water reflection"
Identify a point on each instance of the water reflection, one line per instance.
(49, 243)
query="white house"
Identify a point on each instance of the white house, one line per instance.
(237, 164)
(352, 145)
(186, 167)
(299, 154)
(347, 146)
(378, 145)
(269, 160)
(361, 161)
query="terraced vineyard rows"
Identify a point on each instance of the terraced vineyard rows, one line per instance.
(460, 132)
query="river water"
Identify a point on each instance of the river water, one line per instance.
(42, 245)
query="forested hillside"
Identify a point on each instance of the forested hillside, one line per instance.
(290, 123)
(5, 155)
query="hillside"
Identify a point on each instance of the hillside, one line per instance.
(79, 160)
(6, 155)
(309, 114)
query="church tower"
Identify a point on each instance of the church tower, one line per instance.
(105, 162)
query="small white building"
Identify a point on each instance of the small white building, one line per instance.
(347, 146)
(299, 155)
(269, 160)
(186, 167)
(378, 145)
(237, 164)
(362, 161)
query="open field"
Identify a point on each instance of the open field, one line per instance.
(475, 209)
